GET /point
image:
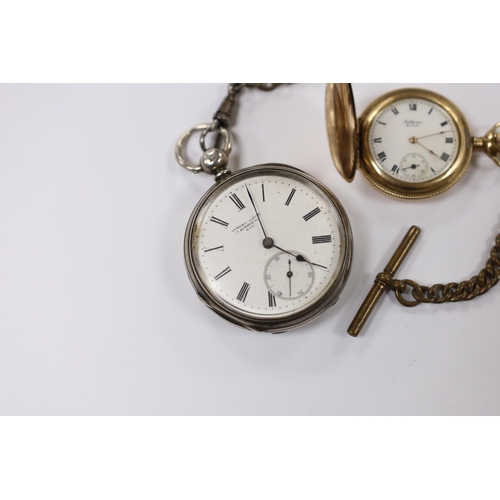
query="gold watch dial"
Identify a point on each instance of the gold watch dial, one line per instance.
(415, 144)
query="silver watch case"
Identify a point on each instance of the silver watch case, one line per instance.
(295, 319)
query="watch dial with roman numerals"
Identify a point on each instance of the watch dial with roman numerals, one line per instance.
(414, 140)
(268, 243)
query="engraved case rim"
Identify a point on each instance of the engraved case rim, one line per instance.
(399, 188)
(294, 320)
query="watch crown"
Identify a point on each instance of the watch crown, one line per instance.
(214, 161)
(490, 143)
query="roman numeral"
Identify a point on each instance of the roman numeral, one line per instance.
(381, 123)
(222, 273)
(413, 107)
(327, 238)
(430, 110)
(449, 140)
(445, 157)
(395, 169)
(290, 196)
(272, 299)
(263, 193)
(218, 221)
(395, 111)
(443, 124)
(433, 171)
(243, 292)
(378, 139)
(382, 156)
(237, 201)
(311, 214)
(215, 248)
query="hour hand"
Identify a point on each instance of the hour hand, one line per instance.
(301, 258)
(298, 256)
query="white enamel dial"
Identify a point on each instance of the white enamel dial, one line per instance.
(250, 274)
(414, 140)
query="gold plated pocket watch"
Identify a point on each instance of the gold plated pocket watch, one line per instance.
(409, 143)
(268, 248)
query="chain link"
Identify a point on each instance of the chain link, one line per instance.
(222, 116)
(452, 292)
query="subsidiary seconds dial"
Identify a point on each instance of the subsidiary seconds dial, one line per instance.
(287, 277)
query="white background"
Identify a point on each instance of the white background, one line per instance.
(97, 316)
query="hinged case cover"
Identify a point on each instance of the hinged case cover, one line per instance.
(342, 128)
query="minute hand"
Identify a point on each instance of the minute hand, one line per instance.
(431, 135)
(256, 213)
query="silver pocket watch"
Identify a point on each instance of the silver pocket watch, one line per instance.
(268, 248)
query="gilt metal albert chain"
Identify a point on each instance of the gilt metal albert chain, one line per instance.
(452, 292)
(436, 294)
